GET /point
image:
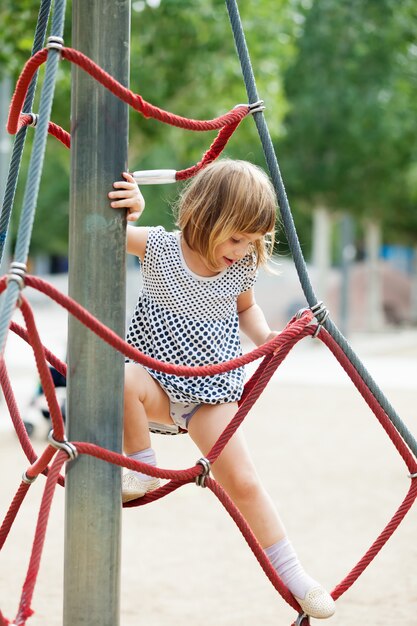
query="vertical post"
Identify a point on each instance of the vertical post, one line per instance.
(5, 150)
(347, 257)
(101, 30)
(321, 254)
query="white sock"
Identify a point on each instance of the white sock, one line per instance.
(144, 456)
(285, 561)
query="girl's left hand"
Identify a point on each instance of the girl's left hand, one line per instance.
(129, 197)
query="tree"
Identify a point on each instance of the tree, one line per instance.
(183, 60)
(350, 129)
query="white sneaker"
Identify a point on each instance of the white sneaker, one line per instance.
(133, 486)
(317, 603)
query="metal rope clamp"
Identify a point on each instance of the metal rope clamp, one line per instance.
(254, 107)
(201, 478)
(64, 445)
(55, 43)
(321, 314)
(300, 619)
(17, 274)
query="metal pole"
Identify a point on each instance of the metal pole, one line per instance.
(5, 150)
(101, 30)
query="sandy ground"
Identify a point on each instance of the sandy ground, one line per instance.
(326, 462)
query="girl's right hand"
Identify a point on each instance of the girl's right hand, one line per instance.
(129, 197)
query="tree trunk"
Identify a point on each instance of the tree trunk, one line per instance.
(347, 253)
(374, 306)
(321, 255)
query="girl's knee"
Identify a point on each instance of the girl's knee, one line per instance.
(241, 484)
(133, 379)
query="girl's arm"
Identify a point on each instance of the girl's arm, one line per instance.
(252, 320)
(128, 196)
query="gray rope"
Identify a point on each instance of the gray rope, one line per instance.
(290, 229)
(19, 142)
(35, 171)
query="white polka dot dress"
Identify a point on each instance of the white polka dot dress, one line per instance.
(186, 319)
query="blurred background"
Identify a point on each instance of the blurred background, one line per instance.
(339, 79)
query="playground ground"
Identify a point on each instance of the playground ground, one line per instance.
(325, 460)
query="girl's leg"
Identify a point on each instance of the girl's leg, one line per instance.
(144, 399)
(235, 471)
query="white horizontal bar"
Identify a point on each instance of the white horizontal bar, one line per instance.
(154, 177)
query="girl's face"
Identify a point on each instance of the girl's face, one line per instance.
(235, 248)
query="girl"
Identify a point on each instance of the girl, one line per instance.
(197, 295)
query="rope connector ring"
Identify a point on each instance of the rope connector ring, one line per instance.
(55, 43)
(64, 445)
(321, 313)
(300, 619)
(28, 479)
(412, 475)
(35, 118)
(201, 478)
(17, 274)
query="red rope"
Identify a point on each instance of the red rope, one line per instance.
(50, 357)
(234, 116)
(129, 351)
(12, 512)
(226, 123)
(15, 414)
(273, 352)
(370, 399)
(21, 88)
(25, 610)
(212, 153)
(379, 542)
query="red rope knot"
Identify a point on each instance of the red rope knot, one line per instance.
(201, 478)
(17, 274)
(55, 43)
(64, 445)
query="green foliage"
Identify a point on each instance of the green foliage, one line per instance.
(343, 73)
(183, 60)
(350, 130)
(18, 22)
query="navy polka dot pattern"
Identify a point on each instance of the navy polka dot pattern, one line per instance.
(186, 319)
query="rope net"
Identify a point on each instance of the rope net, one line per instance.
(58, 451)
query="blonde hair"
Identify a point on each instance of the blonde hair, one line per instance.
(228, 197)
